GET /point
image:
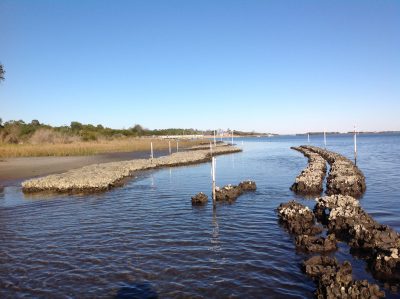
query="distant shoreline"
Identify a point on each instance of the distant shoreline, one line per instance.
(348, 133)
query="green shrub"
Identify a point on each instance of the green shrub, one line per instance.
(88, 136)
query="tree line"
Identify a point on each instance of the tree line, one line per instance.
(17, 131)
(2, 72)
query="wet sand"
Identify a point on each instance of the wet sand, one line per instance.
(14, 170)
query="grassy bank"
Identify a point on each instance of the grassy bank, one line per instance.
(90, 147)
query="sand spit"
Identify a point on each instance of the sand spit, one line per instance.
(344, 177)
(101, 177)
(310, 180)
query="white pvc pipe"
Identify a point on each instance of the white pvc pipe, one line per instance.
(355, 145)
(213, 168)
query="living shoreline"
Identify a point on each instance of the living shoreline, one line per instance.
(14, 170)
(104, 176)
(339, 217)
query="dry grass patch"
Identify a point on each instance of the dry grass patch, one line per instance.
(90, 148)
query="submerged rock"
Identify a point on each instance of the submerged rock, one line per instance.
(199, 199)
(298, 218)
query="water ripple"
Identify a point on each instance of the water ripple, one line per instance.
(146, 239)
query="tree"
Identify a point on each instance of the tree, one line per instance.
(35, 122)
(138, 128)
(2, 72)
(76, 126)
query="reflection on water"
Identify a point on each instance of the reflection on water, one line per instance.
(146, 239)
(215, 244)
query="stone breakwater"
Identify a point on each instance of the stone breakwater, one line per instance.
(336, 281)
(339, 215)
(378, 243)
(199, 199)
(344, 176)
(230, 193)
(333, 280)
(101, 177)
(310, 180)
(300, 221)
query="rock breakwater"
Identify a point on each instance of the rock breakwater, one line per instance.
(101, 177)
(310, 180)
(298, 219)
(199, 199)
(333, 280)
(344, 176)
(230, 193)
(378, 243)
(343, 218)
(336, 281)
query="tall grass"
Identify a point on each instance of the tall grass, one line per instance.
(90, 147)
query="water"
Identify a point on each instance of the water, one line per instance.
(145, 239)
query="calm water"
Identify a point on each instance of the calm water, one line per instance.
(146, 240)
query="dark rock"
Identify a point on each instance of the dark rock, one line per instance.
(310, 180)
(385, 265)
(298, 219)
(228, 193)
(199, 199)
(318, 265)
(344, 176)
(336, 281)
(248, 186)
(379, 243)
(316, 244)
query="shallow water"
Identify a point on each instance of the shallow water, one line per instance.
(145, 239)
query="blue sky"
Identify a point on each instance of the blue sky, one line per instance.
(271, 66)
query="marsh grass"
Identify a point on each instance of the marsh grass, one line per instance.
(90, 147)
